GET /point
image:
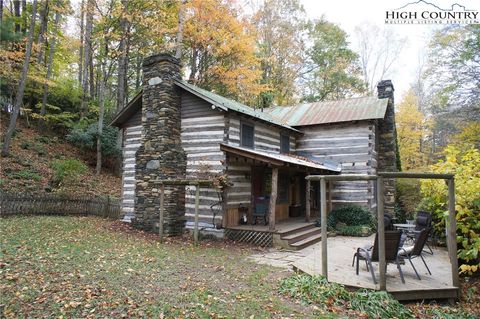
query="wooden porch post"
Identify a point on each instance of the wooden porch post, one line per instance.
(452, 233)
(381, 233)
(162, 212)
(197, 202)
(273, 199)
(323, 216)
(329, 196)
(307, 202)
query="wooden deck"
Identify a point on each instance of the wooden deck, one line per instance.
(340, 270)
(282, 227)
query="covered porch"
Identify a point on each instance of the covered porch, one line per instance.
(271, 195)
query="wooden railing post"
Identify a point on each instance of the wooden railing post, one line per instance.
(381, 233)
(452, 233)
(273, 199)
(197, 204)
(161, 213)
(323, 216)
(307, 202)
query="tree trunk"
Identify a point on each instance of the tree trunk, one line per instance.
(21, 86)
(138, 73)
(82, 31)
(49, 72)
(91, 70)
(87, 57)
(16, 9)
(181, 23)
(101, 102)
(1, 11)
(122, 60)
(24, 17)
(41, 32)
(193, 66)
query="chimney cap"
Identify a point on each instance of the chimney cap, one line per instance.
(386, 84)
(160, 57)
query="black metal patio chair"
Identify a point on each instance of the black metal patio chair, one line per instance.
(416, 250)
(422, 221)
(370, 254)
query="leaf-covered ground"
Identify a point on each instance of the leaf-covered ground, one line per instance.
(29, 165)
(66, 267)
(87, 267)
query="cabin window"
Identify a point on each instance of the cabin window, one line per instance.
(283, 187)
(246, 139)
(284, 144)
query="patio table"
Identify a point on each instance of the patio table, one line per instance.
(404, 227)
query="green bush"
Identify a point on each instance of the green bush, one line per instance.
(351, 221)
(67, 171)
(465, 164)
(378, 304)
(25, 145)
(86, 137)
(25, 174)
(367, 303)
(313, 289)
(354, 231)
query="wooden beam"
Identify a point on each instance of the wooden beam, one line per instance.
(415, 175)
(273, 199)
(323, 214)
(203, 182)
(307, 202)
(197, 203)
(162, 212)
(352, 177)
(381, 233)
(452, 233)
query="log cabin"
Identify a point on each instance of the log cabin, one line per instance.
(173, 129)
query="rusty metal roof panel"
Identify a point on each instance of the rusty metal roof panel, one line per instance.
(363, 108)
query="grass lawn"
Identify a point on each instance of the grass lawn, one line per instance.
(88, 267)
(85, 267)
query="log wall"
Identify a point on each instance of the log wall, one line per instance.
(132, 133)
(203, 129)
(352, 145)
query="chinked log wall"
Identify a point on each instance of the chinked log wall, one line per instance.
(353, 146)
(203, 129)
(132, 133)
(55, 204)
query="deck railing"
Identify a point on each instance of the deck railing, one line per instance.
(58, 204)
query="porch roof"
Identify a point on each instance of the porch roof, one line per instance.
(278, 159)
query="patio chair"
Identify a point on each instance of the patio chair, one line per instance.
(388, 221)
(260, 210)
(370, 254)
(416, 250)
(423, 221)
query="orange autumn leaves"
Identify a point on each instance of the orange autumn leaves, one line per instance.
(220, 47)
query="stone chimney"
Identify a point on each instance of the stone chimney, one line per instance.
(387, 143)
(160, 155)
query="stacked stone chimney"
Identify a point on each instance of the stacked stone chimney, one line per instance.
(160, 155)
(387, 143)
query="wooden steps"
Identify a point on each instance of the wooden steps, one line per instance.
(298, 237)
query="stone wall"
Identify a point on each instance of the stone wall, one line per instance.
(160, 155)
(387, 139)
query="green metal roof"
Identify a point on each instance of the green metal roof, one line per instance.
(228, 104)
(362, 108)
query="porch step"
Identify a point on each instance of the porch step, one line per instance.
(306, 242)
(294, 229)
(302, 234)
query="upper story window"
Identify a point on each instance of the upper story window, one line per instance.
(247, 135)
(284, 144)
